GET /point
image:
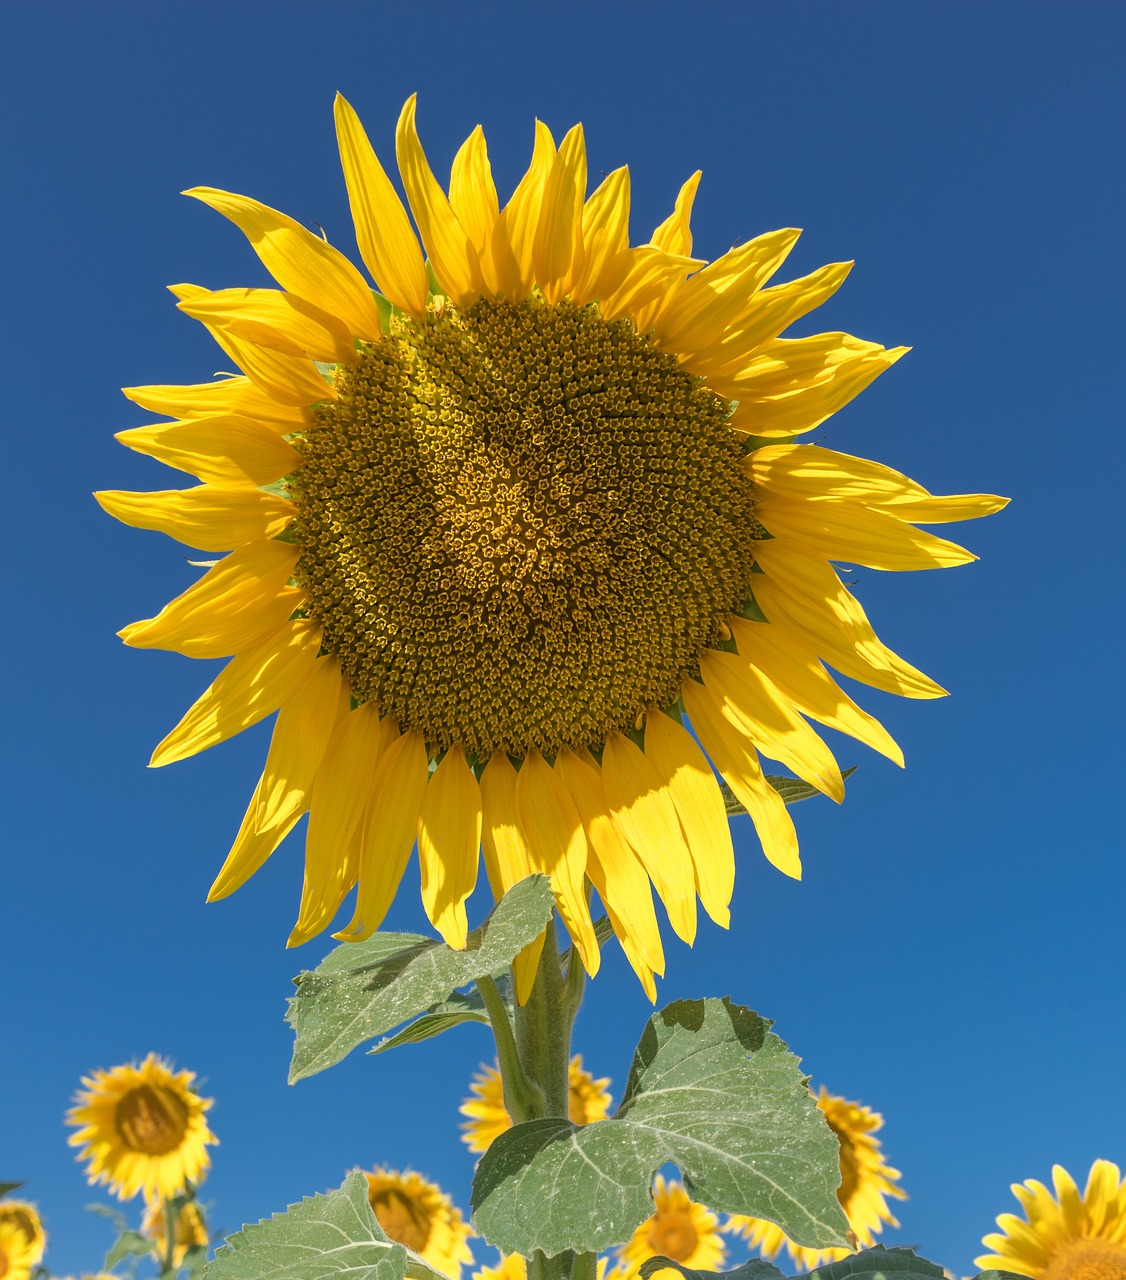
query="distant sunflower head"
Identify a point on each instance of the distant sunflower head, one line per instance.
(142, 1128)
(420, 1215)
(588, 1100)
(1066, 1236)
(18, 1258)
(866, 1182)
(520, 546)
(679, 1229)
(24, 1217)
(191, 1228)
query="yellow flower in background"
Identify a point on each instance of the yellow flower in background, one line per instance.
(865, 1182)
(24, 1217)
(498, 534)
(679, 1229)
(1065, 1236)
(17, 1256)
(588, 1100)
(142, 1128)
(191, 1228)
(420, 1215)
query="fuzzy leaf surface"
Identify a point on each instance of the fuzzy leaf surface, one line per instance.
(880, 1264)
(460, 1007)
(322, 1237)
(365, 989)
(713, 1091)
(755, 1269)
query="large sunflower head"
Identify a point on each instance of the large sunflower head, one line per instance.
(520, 546)
(866, 1182)
(420, 1215)
(142, 1128)
(679, 1229)
(588, 1100)
(1066, 1236)
(18, 1258)
(191, 1228)
(24, 1217)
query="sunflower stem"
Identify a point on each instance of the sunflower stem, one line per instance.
(171, 1216)
(543, 1031)
(523, 1098)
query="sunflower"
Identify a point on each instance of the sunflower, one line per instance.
(865, 1182)
(17, 1255)
(142, 1128)
(421, 1216)
(588, 1101)
(679, 1229)
(518, 544)
(25, 1218)
(191, 1228)
(1066, 1236)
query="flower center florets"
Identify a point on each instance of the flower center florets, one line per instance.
(520, 525)
(151, 1120)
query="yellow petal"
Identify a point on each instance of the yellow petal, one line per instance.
(507, 857)
(699, 806)
(473, 198)
(207, 517)
(674, 235)
(286, 378)
(718, 298)
(646, 278)
(605, 237)
(514, 235)
(249, 688)
(384, 233)
(857, 534)
(735, 758)
(554, 834)
(235, 395)
(753, 705)
(299, 261)
(558, 249)
(231, 608)
(451, 255)
(390, 829)
(281, 321)
(449, 845)
(612, 866)
(792, 667)
(643, 812)
(770, 312)
(228, 452)
(802, 593)
(305, 724)
(793, 384)
(337, 809)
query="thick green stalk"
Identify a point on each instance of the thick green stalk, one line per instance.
(540, 1077)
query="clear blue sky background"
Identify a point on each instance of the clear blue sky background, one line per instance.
(954, 955)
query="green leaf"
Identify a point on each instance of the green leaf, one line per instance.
(710, 1089)
(877, 1263)
(128, 1245)
(754, 1269)
(365, 989)
(6, 1188)
(325, 1235)
(195, 1260)
(460, 1007)
(790, 789)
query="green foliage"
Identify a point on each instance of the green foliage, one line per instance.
(461, 1007)
(130, 1244)
(6, 1188)
(710, 1089)
(364, 989)
(325, 1235)
(755, 1269)
(790, 789)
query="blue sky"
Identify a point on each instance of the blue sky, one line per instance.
(953, 957)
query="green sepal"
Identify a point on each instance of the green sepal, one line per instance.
(790, 789)
(362, 990)
(753, 442)
(6, 1188)
(712, 1091)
